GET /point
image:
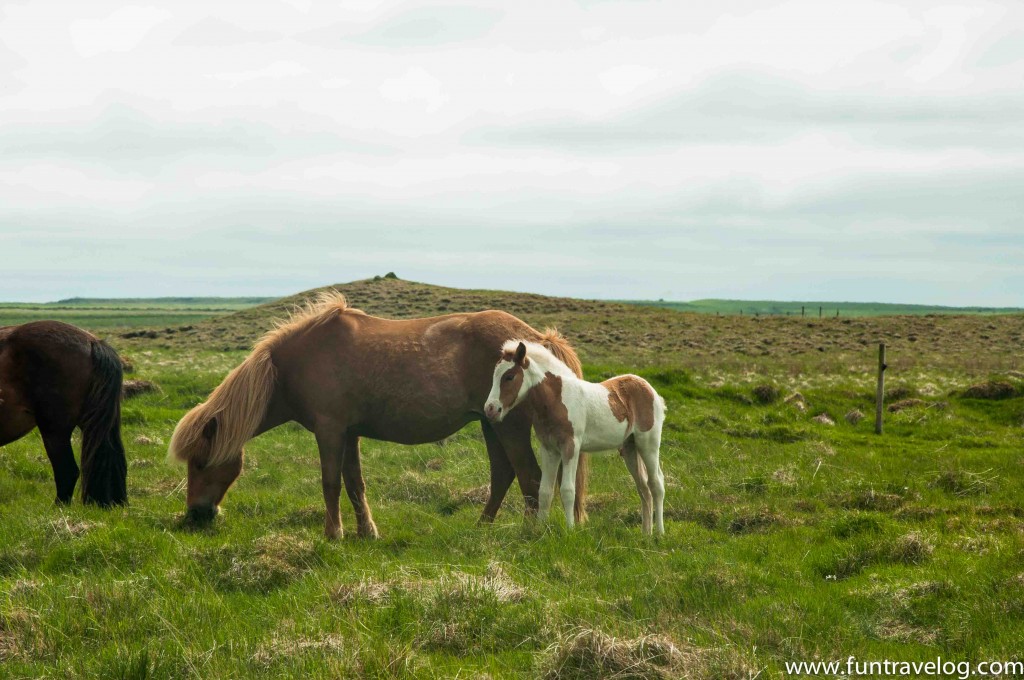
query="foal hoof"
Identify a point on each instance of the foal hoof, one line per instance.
(334, 533)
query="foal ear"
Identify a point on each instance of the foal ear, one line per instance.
(210, 429)
(520, 354)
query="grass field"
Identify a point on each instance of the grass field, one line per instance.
(787, 539)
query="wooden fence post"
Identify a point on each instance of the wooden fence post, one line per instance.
(880, 393)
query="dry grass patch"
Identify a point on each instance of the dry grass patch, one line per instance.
(67, 528)
(270, 562)
(587, 653)
(277, 647)
(371, 592)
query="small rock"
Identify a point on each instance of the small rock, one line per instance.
(824, 419)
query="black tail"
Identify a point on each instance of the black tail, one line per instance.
(104, 468)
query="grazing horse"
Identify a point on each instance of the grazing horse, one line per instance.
(58, 377)
(573, 415)
(343, 374)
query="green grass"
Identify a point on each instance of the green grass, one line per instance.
(786, 540)
(813, 309)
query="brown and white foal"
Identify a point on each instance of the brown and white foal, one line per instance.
(573, 415)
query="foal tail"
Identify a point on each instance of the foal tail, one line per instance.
(564, 352)
(104, 468)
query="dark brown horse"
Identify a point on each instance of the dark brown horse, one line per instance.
(58, 377)
(344, 375)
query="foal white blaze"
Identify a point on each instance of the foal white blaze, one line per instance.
(573, 415)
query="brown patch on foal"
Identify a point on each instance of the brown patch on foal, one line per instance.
(552, 416)
(632, 399)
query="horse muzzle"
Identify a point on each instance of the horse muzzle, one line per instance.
(494, 412)
(201, 514)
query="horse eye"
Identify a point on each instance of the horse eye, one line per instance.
(507, 378)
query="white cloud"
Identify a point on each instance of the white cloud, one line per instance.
(738, 134)
(121, 31)
(415, 85)
(277, 71)
(624, 79)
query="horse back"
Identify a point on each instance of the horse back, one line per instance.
(397, 379)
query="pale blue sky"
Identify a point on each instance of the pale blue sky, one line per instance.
(847, 150)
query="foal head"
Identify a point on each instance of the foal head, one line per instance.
(510, 383)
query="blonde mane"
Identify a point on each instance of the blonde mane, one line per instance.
(239, 403)
(544, 357)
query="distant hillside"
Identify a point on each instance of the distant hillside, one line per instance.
(813, 309)
(635, 335)
(102, 313)
(197, 303)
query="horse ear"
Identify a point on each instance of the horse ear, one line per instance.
(210, 429)
(520, 354)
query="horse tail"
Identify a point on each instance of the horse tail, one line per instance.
(104, 468)
(216, 430)
(564, 352)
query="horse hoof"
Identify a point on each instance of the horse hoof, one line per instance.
(369, 532)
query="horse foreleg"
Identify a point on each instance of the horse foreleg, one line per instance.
(62, 459)
(514, 435)
(352, 471)
(502, 473)
(331, 442)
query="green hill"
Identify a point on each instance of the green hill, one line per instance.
(814, 308)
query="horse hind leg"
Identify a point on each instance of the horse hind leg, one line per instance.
(62, 460)
(568, 491)
(649, 447)
(352, 472)
(638, 471)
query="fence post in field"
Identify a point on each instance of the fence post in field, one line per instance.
(819, 311)
(880, 393)
(802, 310)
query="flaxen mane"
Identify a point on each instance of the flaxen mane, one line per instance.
(563, 351)
(240, 401)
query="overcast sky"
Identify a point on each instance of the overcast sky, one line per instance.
(843, 150)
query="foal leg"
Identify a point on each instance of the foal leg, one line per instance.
(352, 471)
(569, 462)
(639, 474)
(649, 447)
(330, 439)
(62, 459)
(548, 472)
(502, 473)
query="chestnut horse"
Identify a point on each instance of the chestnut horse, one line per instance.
(58, 377)
(343, 374)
